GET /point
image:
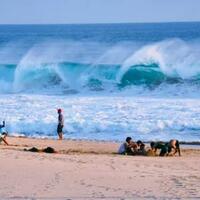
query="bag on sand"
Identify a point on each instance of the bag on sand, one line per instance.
(49, 150)
(46, 150)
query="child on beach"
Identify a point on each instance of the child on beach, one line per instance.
(3, 133)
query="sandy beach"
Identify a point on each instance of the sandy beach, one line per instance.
(93, 170)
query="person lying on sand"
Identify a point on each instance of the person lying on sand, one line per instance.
(3, 133)
(175, 145)
(128, 147)
(160, 145)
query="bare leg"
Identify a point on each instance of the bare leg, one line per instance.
(60, 135)
(4, 140)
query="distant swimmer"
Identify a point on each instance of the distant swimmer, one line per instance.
(3, 133)
(60, 124)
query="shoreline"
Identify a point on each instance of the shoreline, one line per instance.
(197, 143)
(80, 146)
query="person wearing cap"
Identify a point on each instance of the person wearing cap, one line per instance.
(60, 124)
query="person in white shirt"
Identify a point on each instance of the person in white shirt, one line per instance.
(128, 147)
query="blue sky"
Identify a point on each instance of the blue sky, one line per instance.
(97, 11)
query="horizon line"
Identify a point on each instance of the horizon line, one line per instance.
(103, 23)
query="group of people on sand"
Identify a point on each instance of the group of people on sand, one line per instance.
(130, 147)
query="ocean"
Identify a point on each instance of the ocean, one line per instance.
(111, 80)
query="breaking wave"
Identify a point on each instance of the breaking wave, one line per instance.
(72, 66)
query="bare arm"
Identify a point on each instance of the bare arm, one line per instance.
(155, 150)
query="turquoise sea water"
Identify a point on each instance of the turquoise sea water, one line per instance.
(112, 80)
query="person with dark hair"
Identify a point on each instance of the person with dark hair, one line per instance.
(141, 145)
(141, 148)
(159, 145)
(3, 133)
(2, 127)
(129, 147)
(174, 144)
(60, 124)
(128, 139)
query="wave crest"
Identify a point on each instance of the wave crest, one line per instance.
(64, 67)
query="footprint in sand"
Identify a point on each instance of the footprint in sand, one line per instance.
(82, 182)
(89, 185)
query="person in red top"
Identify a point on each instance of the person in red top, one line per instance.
(60, 124)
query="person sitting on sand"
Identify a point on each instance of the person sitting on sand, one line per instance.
(128, 147)
(141, 148)
(174, 144)
(3, 133)
(60, 124)
(159, 145)
(141, 145)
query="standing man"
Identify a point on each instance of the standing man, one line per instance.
(60, 124)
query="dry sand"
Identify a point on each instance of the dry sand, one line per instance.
(91, 170)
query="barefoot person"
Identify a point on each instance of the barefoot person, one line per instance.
(141, 148)
(60, 124)
(3, 133)
(128, 147)
(159, 145)
(174, 144)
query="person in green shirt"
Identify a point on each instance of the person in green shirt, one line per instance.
(160, 145)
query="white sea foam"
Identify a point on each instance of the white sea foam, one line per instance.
(103, 117)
